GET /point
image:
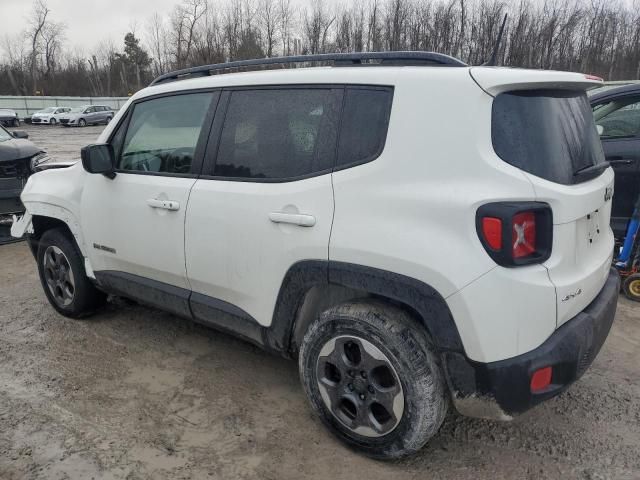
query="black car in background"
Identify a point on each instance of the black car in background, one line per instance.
(19, 158)
(617, 115)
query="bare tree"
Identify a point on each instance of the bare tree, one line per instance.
(37, 22)
(269, 18)
(317, 23)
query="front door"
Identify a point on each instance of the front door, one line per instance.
(134, 223)
(267, 203)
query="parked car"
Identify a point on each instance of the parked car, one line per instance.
(87, 115)
(19, 158)
(50, 115)
(408, 261)
(9, 118)
(617, 115)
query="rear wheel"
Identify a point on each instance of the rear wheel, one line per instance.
(16, 122)
(63, 277)
(371, 375)
(631, 287)
(106, 122)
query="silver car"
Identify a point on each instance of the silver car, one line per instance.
(50, 115)
(87, 115)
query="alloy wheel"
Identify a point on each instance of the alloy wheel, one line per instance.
(59, 276)
(359, 386)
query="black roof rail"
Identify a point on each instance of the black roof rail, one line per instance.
(337, 59)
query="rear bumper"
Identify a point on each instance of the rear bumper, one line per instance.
(500, 390)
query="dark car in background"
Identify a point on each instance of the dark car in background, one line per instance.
(19, 158)
(9, 118)
(617, 116)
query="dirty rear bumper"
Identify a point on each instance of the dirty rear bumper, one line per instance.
(500, 390)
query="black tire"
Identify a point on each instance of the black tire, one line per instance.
(82, 122)
(631, 287)
(85, 297)
(405, 344)
(53, 121)
(16, 122)
(106, 122)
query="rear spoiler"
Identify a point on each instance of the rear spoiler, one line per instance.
(495, 80)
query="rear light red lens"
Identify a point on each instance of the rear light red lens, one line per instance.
(541, 379)
(492, 231)
(523, 234)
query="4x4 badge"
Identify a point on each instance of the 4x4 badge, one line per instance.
(572, 295)
(608, 193)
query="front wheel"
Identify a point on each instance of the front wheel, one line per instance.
(371, 375)
(63, 277)
(16, 122)
(82, 122)
(53, 121)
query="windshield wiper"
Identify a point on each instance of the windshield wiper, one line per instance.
(591, 169)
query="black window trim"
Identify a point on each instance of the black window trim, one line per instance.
(203, 139)
(211, 155)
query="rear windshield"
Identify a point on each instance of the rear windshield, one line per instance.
(548, 133)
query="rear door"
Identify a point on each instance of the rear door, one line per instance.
(266, 201)
(618, 119)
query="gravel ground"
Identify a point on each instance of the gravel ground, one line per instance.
(134, 393)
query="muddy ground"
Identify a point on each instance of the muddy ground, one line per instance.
(133, 393)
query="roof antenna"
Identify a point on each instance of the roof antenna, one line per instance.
(492, 59)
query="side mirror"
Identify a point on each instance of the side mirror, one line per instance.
(99, 158)
(600, 129)
(20, 134)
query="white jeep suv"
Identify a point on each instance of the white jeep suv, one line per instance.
(415, 231)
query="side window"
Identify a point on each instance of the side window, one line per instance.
(163, 134)
(365, 122)
(90, 109)
(619, 118)
(278, 133)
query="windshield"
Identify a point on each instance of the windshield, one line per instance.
(548, 133)
(77, 110)
(48, 110)
(4, 135)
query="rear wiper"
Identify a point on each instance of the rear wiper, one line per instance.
(591, 169)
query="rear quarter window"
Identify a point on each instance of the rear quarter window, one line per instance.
(365, 122)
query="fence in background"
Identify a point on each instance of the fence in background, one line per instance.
(26, 106)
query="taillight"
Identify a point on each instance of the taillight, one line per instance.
(516, 233)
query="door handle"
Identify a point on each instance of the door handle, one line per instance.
(164, 204)
(298, 219)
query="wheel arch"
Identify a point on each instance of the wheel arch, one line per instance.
(310, 287)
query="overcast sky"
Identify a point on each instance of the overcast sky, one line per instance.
(88, 21)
